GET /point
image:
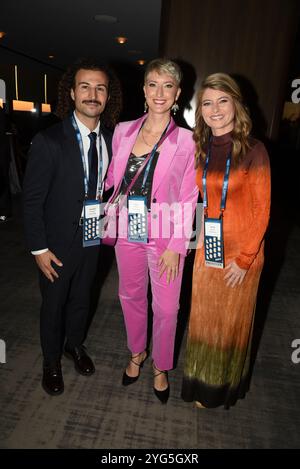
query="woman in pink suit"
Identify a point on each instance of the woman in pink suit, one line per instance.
(165, 193)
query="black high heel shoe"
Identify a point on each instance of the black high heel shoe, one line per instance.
(126, 380)
(163, 395)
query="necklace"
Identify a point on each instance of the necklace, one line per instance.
(145, 140)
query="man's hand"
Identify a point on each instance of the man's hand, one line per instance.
(44, 263)
(169, 262)
(235, 275)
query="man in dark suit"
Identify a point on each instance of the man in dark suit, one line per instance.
(67, 165)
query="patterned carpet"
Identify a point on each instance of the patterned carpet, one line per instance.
(97, 412)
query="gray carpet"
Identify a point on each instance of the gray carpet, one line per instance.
(97, 412)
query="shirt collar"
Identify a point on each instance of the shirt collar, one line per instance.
(85, 131)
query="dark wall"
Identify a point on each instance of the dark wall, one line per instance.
(252, 39)
(31, 81)
(30, 77)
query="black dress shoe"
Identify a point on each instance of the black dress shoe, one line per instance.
(52, 381)
(82, 362)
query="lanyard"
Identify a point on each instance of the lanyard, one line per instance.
(168, 130)
(225, 182)
(86, 183)
(146, 174)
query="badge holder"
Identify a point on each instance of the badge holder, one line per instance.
(213, 242)
(213, 227)
(137, 219)
(91, 223)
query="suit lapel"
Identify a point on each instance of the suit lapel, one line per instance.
(167, 153)
(125, 147)
(166, 156)
(71, 151)
(107, 135)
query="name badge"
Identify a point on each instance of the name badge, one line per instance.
(213, 243)
(137, 219)
(91, 223)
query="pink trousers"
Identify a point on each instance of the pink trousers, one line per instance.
(136, 262)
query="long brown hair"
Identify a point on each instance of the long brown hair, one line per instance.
(242, 121)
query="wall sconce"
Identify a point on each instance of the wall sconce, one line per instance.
(21, 105)
(45, 106)
(121, 39)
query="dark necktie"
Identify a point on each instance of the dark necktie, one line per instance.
(93, 165)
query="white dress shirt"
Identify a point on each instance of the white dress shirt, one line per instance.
(84, 132)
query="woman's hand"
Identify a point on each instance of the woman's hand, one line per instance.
(169, 263)
(235, 274)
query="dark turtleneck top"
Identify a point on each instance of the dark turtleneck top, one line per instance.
(248, 198)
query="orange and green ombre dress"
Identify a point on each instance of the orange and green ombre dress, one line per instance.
(220, 326)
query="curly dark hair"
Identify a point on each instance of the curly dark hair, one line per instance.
(65, 104)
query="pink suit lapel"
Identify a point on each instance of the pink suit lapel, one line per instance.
(126, 145)
(166, 156)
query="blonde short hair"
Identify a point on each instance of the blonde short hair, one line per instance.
(167, 66)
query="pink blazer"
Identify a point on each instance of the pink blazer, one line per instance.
(174, 181)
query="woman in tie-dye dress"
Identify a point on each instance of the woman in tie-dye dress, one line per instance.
(223, 300)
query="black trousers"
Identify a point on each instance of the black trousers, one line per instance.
(66, 301)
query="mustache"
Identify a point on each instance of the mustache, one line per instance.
(92, 101)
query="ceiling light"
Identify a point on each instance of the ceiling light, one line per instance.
(141, 62)
(106, 19)
(50, 56)
(121, 39)
(2, 34)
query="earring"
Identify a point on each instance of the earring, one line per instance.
(145, 106)
(175, 108)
